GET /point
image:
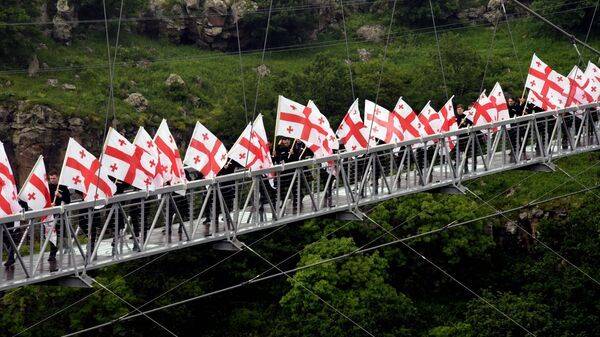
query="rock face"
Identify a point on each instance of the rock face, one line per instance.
(31, 129)
(34, 67)
(63, 22)
(138, 101)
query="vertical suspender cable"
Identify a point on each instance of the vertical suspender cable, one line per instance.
(387, 42)
(237, 30)
(489, 57)
(437, 40)
(347, 51)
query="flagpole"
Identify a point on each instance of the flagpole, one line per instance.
(292, 148)
(276, 126)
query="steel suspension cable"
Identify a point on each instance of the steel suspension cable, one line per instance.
(336, 258)
(443, 271)
(512, 40)
(112, 92)
(237, 30)
(348, 59)
(311, 292)
(385, 49)
(439, 51)
(489, 56)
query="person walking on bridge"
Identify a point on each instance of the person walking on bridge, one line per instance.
(60, 195)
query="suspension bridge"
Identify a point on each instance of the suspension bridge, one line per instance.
(140, 224)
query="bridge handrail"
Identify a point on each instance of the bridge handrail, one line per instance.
(278, 168)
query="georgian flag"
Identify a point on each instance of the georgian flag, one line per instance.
(145, 142)
(547, 82)
(382, 124)
(9, 203)
(247, 151)
(352, 132)
(408, 120)
(259, 138)
(206, 153)
(430, 121)
(36, 194)
(592, 71)
(169, 156)
(333, 142)
(539, 101)
(81, 171)
(127, 162)
(297, 121)
(449, 123)
(584, 90)
(482, 112)
(499, 100)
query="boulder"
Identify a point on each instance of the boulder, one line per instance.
(174, 80)
(53, 82)
(364, 55)
(263, 71)
(138, 101)
(69, 87)
(371, 33)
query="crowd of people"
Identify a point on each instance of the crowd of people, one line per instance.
(286, 150)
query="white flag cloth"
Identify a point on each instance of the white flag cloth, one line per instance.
(547, 82)
(169, 155)
(144, 141)
(449, 123)
(482, 112)
(297, 121)
(430, 121)
(259, 138)
(247, 152)
(499, 100)
(352, 131)
(9, 203)
(81, 171)
(36, 193)
(382, 123)
(583, 90)
(539, 101)
(331, 140)
(408, 120)
(592, 71)
(127, 162)
(206, 153)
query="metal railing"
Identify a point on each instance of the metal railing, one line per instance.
(139, 224)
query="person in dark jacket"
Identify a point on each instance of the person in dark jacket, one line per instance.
(515, 134)
(60, 195)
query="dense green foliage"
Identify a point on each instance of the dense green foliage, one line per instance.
(16, 42)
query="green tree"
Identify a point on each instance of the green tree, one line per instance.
(570, 15)
(17, 41)
(355, 286)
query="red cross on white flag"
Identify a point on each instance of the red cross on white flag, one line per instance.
(81, 171)
(35, 192)
(430, 121)
(169, 155)
(547, 82)
(592, 71)
(584, 90)
(9, 203)
(382, 124)
(539, 101)
(297, 121)
(251, 149)
(352, 132)
(127, 162)
(499, 100)
(483, 111)
(407, 117)
(325, 142)
(449, 123)
(206, 153)
(143, 141)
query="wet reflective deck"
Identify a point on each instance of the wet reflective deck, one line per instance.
(140, 224)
